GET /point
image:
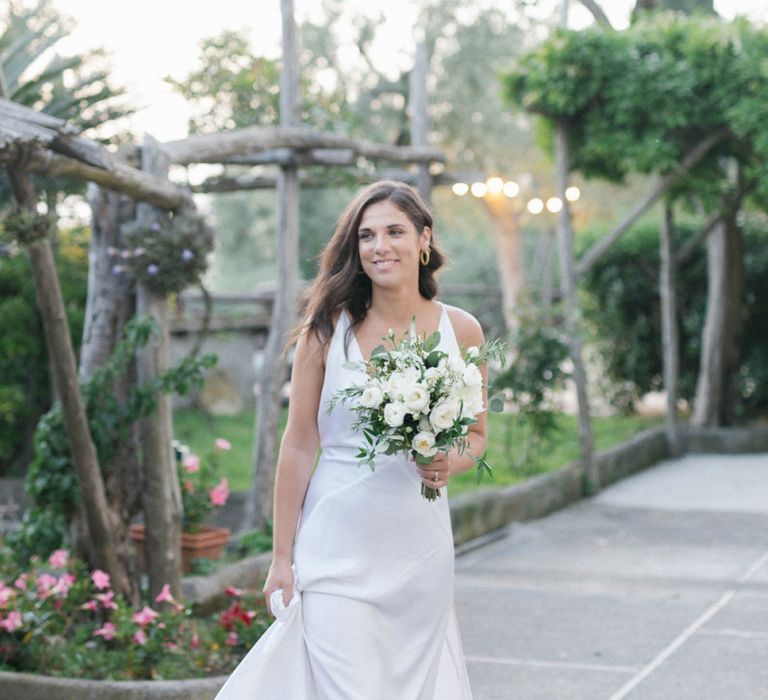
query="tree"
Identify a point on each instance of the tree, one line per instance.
(639, 101)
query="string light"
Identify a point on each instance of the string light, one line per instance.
(554, 204)
(479, 189)
(572, 193)
(495, 185)
(535, 206)
(511, 189)
(460, 188)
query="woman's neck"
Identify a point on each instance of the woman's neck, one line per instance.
(396, 308)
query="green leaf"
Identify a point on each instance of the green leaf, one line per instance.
(378, 350)
(432, 342)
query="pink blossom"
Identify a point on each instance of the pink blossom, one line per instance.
(232, 639)
(233, 592)
(91, 605)
(222, 444)
(45, 582)
(140, 638)
(191, 463)
(12, 622)
(107, 600)
(59, 559)
(21, 583)
(100, 579)
(171, 645)
(65, 582)
(219, 493)
(5, 594)
(144, 617)
(108, 631)
(165, 595)
(195, 642)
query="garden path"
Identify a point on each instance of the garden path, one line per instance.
(655, 589)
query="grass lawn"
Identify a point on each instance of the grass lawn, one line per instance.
(199, 431)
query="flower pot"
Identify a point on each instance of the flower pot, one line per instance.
(206, 544)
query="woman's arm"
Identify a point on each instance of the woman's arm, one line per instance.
(298, 450)
(468, 332)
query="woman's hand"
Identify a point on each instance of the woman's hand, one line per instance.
(280, 575)
(440, 467)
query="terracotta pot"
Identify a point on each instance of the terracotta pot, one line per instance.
(206, 544)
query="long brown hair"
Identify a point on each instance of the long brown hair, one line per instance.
(341, 282)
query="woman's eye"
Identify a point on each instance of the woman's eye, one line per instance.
(395, 232)
(365, 236)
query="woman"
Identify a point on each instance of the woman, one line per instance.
(361, 579)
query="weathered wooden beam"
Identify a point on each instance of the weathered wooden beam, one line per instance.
(691, 158)
(119, 177)
(215, 148)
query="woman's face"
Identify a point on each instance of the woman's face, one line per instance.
(389, 245)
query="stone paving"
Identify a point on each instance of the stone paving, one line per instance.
(655, 589)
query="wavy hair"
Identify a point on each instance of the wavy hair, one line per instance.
(341, 283)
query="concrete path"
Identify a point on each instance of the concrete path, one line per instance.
(656, 589)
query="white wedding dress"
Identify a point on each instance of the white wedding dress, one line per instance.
(372, 616)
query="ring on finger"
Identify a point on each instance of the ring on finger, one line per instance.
(436, 477)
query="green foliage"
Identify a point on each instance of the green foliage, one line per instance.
(529, 382)
(24, 387)
(622, 306)
(52, 486)
(638, 100)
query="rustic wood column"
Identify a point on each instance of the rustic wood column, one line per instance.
(162, 496)
(420, 116)
(669, 331)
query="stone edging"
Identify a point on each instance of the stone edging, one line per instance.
(29, 686)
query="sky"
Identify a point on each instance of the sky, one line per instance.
(150, 39)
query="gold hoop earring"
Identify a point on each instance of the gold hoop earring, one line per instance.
(424, 256)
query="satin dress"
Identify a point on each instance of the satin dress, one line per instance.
(372, 616)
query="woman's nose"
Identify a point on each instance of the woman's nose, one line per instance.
(380, 241)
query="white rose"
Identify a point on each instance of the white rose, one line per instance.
(473, 351)
(424, 443)
(372, 396)
(457, 365)
(471, 398)
(394, 413)
(394, 386)
(416, 398)
(444, 414)
(471, 376)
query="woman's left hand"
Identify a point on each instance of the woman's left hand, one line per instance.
(440, 467)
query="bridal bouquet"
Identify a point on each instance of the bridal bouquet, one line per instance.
(418, 400)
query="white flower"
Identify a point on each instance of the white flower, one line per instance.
(424, 424)
(372, 395)
(471, 398)
(432, 375)
(471, 376)
(443, 415)
(416, 398)
(473, 351)
(424, 443)
(394, 413)
(399, 381)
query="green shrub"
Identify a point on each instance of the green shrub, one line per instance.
(623, 308)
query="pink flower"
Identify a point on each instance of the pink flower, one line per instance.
(220, 493)
(12, 622)
(45, 582)
(191, 463)
(65, 582)
(108, 631)
(91, 605)
(21, 583)
(140, 638)
(59, 559)
(233, 592)
(107, 600)
(222, 444)
(171, 645)
(5, 594)
(232, 639)
(195, 642)
(144, 617)
(100, 579)
(165, 595)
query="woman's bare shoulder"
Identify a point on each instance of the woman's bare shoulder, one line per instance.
(466, 327)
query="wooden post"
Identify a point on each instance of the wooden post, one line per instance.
(669, 330)
(572, 314)
(568, 274)
(162, 497)
(419, 115)
(259, 507)
(103, 544)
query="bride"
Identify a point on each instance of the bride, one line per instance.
(361, 580)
